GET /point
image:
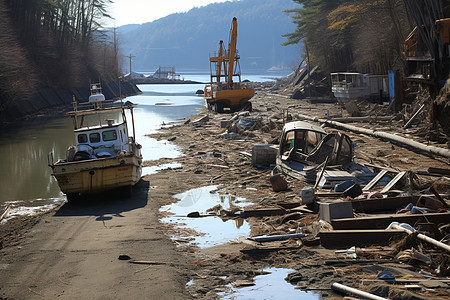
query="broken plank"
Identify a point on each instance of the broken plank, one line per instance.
(344, 262)
(381, 222)
(263, 212)
(358, 238)
(374, 181)
(267, 249)
(441, 171)
(382, 204)
(271, 238)
(217, 166)
(393, 182)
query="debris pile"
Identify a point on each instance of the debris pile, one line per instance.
(326, 193)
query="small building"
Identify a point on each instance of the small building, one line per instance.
(166, 72)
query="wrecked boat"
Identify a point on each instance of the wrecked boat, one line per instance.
(105, 156)
(305, 149)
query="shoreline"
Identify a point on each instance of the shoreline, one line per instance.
(205, 147)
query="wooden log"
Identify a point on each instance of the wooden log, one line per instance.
(384, 135)
(382, 222)
(360, 238)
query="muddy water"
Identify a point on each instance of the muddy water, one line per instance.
(24, 172)
(212, 230)
(270, 286)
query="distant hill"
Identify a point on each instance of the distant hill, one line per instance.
(185, 40)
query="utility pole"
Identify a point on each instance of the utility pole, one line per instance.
(130, 57)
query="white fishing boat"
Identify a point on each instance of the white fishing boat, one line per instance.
(105, 157)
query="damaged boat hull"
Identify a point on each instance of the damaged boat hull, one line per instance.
(98, 175)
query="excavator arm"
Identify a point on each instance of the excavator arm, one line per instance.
(232, 52)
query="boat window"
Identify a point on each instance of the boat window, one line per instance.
(82, 138)
(109, 135)
(94, 137)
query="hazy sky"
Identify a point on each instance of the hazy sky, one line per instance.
(141, 11)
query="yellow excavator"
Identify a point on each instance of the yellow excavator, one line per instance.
(229, 93)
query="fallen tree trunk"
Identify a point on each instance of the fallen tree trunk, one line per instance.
(384, 135)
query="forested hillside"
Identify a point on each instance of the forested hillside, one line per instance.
(52, 44)
(365, 36)
(185, 40)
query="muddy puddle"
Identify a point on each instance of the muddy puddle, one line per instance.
(155, 169)
(269, 286)
(205, 231)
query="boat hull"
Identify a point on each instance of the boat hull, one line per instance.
(97, 175)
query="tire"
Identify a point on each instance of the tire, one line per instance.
(218, 108)
(248, 106)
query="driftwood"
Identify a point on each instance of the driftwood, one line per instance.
(4, 213)
(414, 117)
(271, 238)
(384, 135)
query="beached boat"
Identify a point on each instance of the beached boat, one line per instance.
(105, 156)
(305, 147)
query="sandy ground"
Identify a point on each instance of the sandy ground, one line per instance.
(73, 252)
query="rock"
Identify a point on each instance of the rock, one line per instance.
(124, 257)
(194, 214)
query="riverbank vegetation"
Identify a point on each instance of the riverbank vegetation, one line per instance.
(55, 44)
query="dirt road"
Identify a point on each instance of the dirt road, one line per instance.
(73, 254)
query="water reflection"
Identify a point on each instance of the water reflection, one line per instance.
(23, 155)
(215, 230)
(270, 286)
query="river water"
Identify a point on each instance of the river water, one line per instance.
(24, 173)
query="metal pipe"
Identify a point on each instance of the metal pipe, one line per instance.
(348, 290)
(424, 238)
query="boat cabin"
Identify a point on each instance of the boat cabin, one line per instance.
(303, 142)
(100, 134)
(299, 139)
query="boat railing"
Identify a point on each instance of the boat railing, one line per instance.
(100, 105)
